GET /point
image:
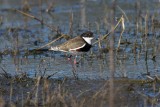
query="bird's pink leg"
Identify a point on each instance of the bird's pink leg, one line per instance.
(69, 58)
(75, 61)
(73, 66)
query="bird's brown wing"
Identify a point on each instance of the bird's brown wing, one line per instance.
(72, 44)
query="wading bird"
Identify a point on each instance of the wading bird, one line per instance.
(76, 45)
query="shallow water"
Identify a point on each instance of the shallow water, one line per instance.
(20, 32)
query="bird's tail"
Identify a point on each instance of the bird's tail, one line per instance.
(54, 48)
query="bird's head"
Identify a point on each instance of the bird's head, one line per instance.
(87, 36)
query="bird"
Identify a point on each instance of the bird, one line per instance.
(81, 43)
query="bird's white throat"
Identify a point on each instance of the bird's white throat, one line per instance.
(88, 39)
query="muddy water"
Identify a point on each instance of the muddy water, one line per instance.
(18, 32)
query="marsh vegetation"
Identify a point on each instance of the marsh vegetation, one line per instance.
(122, 68)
